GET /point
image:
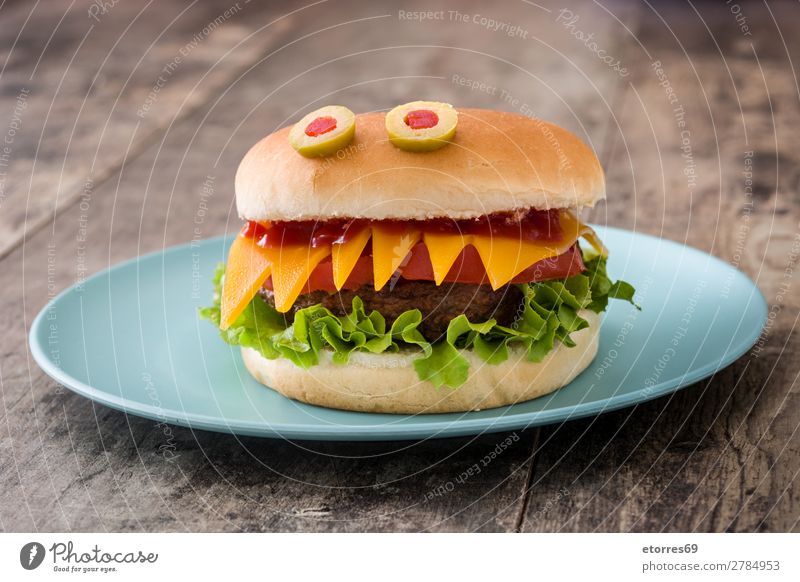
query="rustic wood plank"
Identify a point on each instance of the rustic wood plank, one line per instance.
(85, 87)
(722, 455)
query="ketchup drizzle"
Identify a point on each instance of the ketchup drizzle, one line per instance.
(533, 225)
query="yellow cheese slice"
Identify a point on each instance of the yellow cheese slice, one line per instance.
(444, 249)
(291, 268)
(291, 265)
(390, 246)
(505, 258)
(570, 224)
(591, 236)
(245, 272)
(345, 255)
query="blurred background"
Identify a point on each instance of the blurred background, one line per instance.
(122, 126)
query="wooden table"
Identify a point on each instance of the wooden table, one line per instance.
(114, 118)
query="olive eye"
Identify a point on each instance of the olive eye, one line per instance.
(421, 126)
(324, 131)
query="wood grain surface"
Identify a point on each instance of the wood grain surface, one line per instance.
(117, 119)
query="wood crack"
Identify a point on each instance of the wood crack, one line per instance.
(519, 522)
(153, 136)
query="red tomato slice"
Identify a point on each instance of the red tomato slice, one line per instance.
(565, 265)
(321, 278)
(468, 268)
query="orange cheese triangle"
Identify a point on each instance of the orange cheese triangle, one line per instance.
(291, 268)
(504, 258)
(345, 255)
(390, 246)
(444, 249)
(247, 268)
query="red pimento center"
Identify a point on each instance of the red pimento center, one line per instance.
(421, 119)
(321, 125)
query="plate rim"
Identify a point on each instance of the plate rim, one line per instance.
(393, 431)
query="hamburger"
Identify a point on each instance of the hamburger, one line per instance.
(423, 260)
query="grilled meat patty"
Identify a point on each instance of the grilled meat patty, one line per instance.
(438, 304)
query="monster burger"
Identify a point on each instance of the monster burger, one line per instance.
(424, 260)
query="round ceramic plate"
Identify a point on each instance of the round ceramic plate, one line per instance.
(129, 338)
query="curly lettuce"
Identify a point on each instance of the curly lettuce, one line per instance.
(548, 314)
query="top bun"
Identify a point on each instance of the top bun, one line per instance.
(497, 162)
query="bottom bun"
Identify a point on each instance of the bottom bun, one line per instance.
(388, 382)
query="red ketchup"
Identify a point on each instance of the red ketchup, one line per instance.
(253, 229)
(307, 232)
(534, 225)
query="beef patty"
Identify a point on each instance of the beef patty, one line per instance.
(438, 304)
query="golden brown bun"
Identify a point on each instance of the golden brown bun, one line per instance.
(497, 162)
(388, 383)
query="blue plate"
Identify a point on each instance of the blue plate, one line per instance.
(129, 338)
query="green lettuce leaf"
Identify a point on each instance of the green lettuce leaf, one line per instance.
(548, 314)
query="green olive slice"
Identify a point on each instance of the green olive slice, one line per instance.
(421, 126)
(324, 131)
